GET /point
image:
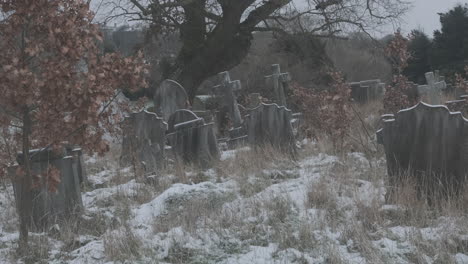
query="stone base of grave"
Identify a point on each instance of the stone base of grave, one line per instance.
(50, 208)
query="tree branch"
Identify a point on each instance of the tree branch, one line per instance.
(263, 12)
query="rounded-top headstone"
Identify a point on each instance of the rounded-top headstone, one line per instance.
(170, 97)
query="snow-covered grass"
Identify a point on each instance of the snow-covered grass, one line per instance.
(254, 206)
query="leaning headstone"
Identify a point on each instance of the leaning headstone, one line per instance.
(270, 124)
(192, 140)
(280, 83)
(170, 97)
(144, 138)
(49, 207)
(227, 89)
(428, 143)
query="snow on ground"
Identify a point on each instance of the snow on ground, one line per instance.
(321, 209)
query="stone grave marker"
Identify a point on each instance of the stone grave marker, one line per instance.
(280, 83)
(50, 207)
(227, 89)
(364, 91)
(192, 140)
(433, 89)
(271, 124)
(144, 139)
(428, 143)
(169, 97)
(182, 116)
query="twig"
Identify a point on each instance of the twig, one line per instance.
(78, 129)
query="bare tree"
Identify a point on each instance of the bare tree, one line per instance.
(216, 34)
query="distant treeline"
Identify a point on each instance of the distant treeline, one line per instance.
(446, 51)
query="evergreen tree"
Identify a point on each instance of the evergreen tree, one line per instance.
(419, 63)
(450, 49)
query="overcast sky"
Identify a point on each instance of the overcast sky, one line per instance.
(424, 16)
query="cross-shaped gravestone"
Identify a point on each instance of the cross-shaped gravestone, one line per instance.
(227, 89)
(280, 82)
(435, 87)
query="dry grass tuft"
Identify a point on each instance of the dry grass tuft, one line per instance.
(191, 215)
(122, 245)
(320, 196)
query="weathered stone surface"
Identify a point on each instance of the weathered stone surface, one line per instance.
(228, 89)
(144, 138)
(364, 91)
(430, 144)
(271, 124)
(170, 97)
(205, 102)
(181, 116)
(433, 89)
(279, 83)
(48, 207)
(194, 142)
(44, 155)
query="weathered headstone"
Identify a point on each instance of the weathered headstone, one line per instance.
(270, 124)
(364, 91)
(182, 116)
(78, 162)
(170, 97)
(280, 83)
(433, 88)
(428, 143)
(144, 138)
(227, 90)
(205, 102)
(50, 207)
(192, 140)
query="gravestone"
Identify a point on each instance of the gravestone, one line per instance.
(78, 162)
(433, 89)
(227, 90)
(364, 91)
(50, 207)
(192, 140)
(280, 84)
(205, 102)
(169, 97)
(428, 143)
(144, 138)
(182, 116)
(270, 124)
